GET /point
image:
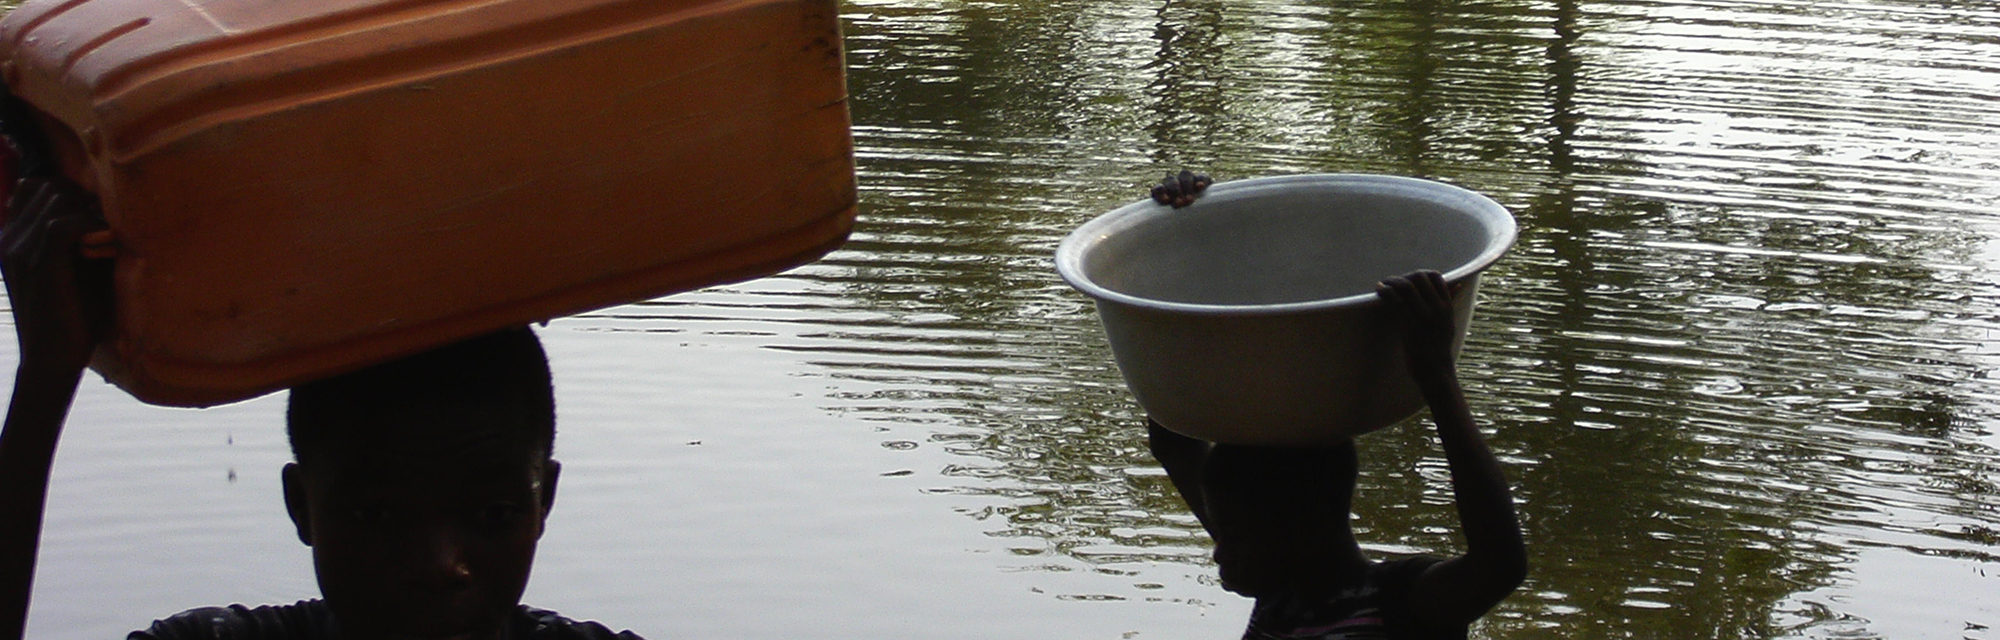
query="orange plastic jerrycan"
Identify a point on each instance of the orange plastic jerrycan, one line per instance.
(303, 188)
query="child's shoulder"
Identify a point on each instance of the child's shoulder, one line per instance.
(303, 620)
(542, 624)
(311, 620)
(1396, 581)
(1375, 609)
(1400, 572)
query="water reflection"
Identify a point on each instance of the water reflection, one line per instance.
(1740, 339)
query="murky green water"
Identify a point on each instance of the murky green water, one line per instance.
(1738, 365)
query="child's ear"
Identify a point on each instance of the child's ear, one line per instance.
(550, 472)
(296, 502)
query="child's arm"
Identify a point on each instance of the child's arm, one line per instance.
(54, 321)
(1459, 590)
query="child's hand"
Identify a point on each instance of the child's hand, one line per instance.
(60, 300)
(1181, 190)
(1423, 301)
(57, 297)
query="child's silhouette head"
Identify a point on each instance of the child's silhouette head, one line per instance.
(1279, 516)
(422, 486)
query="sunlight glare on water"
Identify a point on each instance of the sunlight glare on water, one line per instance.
(1739, 364)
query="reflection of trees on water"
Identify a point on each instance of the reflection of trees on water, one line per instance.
(1420, 60)
(959, 239)
(1188, 97)
(1684, 390)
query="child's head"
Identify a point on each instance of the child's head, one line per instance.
(1279, 516)
(422, 485)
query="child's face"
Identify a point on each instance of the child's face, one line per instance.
(428, 534)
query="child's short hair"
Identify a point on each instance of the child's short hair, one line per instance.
(506, 370)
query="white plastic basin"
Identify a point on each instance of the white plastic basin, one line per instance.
(1250, 317)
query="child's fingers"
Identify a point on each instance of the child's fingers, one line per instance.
(41, 204)
(24, 203)
(42, 242)
(24, 215)
(1402, 284)
(1436, 296)
(38, 248)
(1396, 292)
(1437, 283)
(56, 255)
(1386, 288)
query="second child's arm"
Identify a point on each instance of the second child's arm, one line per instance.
(1459, 590)
(56, 319)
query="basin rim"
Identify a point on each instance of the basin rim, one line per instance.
(1499, 223)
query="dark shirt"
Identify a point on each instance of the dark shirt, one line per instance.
(1378, 609)
(310, 620)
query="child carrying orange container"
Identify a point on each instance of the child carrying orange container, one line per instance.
(289, 193)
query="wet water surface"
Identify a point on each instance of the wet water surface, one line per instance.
(1739, 364)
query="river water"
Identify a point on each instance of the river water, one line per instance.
(1739, 365)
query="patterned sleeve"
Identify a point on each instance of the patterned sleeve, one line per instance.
(303, 621)
(312, 621)
(549, 625)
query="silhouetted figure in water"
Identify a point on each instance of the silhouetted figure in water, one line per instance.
(1280, 515)
(422, 484)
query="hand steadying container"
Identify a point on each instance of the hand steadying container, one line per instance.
(1250, 316)
(301, 188)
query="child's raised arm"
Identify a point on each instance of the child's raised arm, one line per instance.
(56, 318)
(1457, 591)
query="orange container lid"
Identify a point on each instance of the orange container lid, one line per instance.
(303, 188)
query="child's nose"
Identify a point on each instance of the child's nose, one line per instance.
(439, 560)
